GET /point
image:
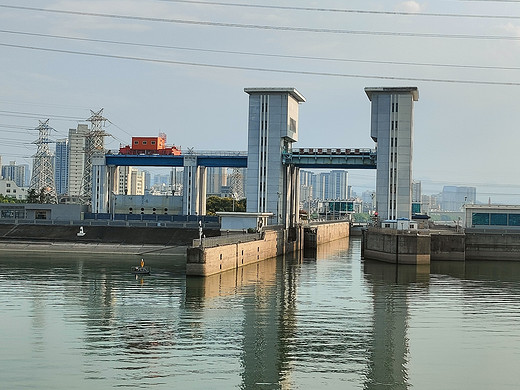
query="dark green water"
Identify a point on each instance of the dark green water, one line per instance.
(335, 322)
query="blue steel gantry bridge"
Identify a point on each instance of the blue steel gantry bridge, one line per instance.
(272, 183)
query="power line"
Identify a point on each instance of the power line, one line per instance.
(257, 69)
(268, 27)
(350, 11)
(246, 53)
(32, 115)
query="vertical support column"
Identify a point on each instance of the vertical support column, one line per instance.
(190, 199)
(111, 188)
(99, 185)
(296, 196)
(201, 190)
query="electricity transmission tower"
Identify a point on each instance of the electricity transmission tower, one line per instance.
(94, 146)
(237, 184)
(42, 179)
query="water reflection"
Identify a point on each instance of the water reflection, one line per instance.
(330, 321)
(389, 343)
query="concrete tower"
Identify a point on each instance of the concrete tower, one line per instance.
(272, 129)
(392, 129)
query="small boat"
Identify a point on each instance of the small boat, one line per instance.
(140, 270)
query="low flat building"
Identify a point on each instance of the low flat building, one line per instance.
(492, 217)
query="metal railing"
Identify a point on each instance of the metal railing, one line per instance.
(211, 242)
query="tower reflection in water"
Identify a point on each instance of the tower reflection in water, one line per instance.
(388, 347)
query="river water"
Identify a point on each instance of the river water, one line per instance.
(327, 320)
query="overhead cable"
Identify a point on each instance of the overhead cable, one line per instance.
(257, 69)
(268, 27)
(270, 55)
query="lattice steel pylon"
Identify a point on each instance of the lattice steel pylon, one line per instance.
(42, 179)
(94, 145)
(237, 184)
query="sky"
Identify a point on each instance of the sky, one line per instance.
(181, 66)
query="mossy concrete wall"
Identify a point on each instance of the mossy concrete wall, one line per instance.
(492, 246)
(447, 246)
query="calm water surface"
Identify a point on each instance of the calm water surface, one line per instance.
(334, 322)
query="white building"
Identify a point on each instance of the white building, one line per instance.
(77, 146)
(130, 181)
(11, 189)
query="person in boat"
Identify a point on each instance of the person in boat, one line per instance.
(142, 263)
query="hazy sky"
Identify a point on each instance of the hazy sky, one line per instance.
(180, 67)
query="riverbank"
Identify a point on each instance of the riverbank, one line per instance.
(29, 247)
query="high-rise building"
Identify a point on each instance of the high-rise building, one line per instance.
(306, 187)
(216, 178)
(454, 198)
(61, 166)
(130, 181)
(338, 184)
(17, 173)
(77, 145)
(416, 191)
(321, 186)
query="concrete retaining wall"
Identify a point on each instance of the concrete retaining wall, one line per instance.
(103, 234)
(493, 246)
(447, 246)
(316, 234)
(209, 261)
(397, 247)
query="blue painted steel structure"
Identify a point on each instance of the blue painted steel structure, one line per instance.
(365, 159)
(225, 161)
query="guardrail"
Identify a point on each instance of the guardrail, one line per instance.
(211, 242)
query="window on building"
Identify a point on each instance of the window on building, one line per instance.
(514, 220)
(144, 142)
(292, 125)
(498, 219)
(480, 219)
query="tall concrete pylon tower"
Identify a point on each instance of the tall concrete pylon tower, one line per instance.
(42, 180)
(272, 129)
(392, 129)
(94, 147)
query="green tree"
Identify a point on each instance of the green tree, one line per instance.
(33, 196)
(215, 204)
(8, 199)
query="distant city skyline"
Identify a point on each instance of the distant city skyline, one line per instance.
(181, 68)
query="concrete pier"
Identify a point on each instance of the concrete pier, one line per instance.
(321, 232)
(204, 261)
(423, 246)
(394, 246)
